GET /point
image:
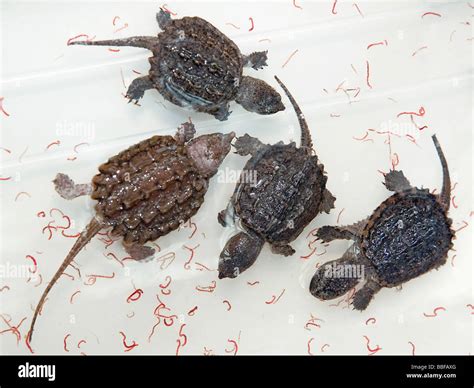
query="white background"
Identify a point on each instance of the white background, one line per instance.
(423, 61)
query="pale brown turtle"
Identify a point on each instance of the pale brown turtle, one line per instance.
(194, 65)
(286, 192)
(146, 191)
(408, 235)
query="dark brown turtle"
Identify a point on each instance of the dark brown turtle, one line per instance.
(408, 235)
(146, 191)
(287, 190)
(195, 65)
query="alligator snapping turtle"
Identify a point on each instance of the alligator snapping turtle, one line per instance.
(407, 235)
(287, 191)
(195, 65)
(146, 191)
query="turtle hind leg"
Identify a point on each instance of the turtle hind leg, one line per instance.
(67, 189)
(137, 88)
(396, 181)
(247, 145)
(163, 18)
(349, 232)
(285, 250)
(221, 113)
(363, 297)
(139, 252)
(257, 60)
(327, 203)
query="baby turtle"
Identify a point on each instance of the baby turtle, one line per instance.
(146, 191)
(408, 235)
(195, 65)
(286, 191)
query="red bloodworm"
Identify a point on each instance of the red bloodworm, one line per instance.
(22, 154)
(454, 203)
(296, 5)
(2, 109)
(192, 311)
(275, 299)
(115, 20)
(181, 335)
(168, 282)
(121, 28)
(22, 193)
(306, 257)
(35, 264)
(471, 307)
(5, 178)
(166, 9)
(289, 58)
(323, 347)
(431, 13)
(367, 78)
(371, 320)
(418, 50)
(80, 343)
(153, 330)
(235, 348)
(233, 25)
(229, 306)
(470, 5)
(209, 288)
(333, 10)
(135, 295)
(93, 278)
(80, 36)
(421, 112)
(372, 350)
(358, 9)
(71, 158)
(186, 264)
(325, 91)
(27, 342)
(382, 43)
(465, 225)
(435, 312)
(309, 346)
(452, 260)
(412, 348)
(127, 347)
(253, 283)
(136, 72)
(203, 267)
(395, 160)
(65, 342)
(72, 296)
(411, 138)
(5, 288)
(339, 215)
(339, 87)
(78, 145)
(6, 150)
(113, 256)
(113, 50)
(265, 40)
(252, 24)
(361, 138)
(70, 235)
(166, 260)
(131, 315)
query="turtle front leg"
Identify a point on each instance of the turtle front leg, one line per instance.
(221, 113)
(349, 232)
(337, 277)
(247, 145)
(163, 18)
(137, 88)
(257, 60)
(327, 203)
(396, 181)
(67, 189)
(363, 297)
(138, 251)
(285, 250)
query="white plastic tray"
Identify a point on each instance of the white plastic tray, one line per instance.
(58, 97)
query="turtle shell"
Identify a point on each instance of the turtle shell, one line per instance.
(147, 190)
(195, 64)
(407, 235)
(282, 192)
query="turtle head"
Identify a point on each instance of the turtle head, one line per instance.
(239, 253)
(257, 96)
(334, 279)
(208, 151)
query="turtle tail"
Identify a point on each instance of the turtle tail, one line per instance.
(147, 42)
(446, 189)
(305, 133)
(91, 230)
